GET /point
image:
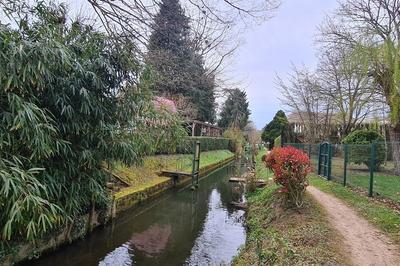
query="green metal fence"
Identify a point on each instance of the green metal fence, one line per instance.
(373, 168)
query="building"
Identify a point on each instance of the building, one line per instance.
(194, 128)
(198, 128)
(327, 126)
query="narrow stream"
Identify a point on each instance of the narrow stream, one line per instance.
(180, 228)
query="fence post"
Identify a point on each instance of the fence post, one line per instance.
(319, 159)
(196, 165)
(329, 161)
(346, 159)
(309, 151)
(371, 170)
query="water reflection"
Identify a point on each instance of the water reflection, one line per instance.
(221, 235)
(152, 241)
(122, 256)
(186, 227)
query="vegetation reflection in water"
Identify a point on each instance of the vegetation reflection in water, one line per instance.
(186, 227)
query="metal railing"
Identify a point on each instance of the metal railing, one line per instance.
(374, 167)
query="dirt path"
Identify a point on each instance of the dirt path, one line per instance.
(365, 244)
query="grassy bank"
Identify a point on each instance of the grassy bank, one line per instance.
(385, 183)
(384, 217)
(147, 174)
(282, 236)
(261, 171)
(145, 182)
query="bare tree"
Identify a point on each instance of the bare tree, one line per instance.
(335, 99)
(253, 137)
(302, 95)
(185, 108)
(348, 88)
(372, 28)
(216, 25)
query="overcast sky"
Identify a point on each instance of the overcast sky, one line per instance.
(270, 48)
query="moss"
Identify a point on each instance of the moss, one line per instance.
(155, 184)
(148, 172)
(134, 189)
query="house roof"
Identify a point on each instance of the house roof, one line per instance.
(299, 117)
(202, 123)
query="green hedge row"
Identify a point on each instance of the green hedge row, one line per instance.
(206, 144)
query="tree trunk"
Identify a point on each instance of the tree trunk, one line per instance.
(394, 133)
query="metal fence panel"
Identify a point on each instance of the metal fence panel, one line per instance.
(372, 167)
(386, 179)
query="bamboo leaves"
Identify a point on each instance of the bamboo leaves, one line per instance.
(59, 117)
(69, 103)
(22, 198)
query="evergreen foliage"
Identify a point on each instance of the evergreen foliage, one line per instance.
(237, 138)
(360, 147)
(363, 137)
(275, 128)
(235, 110)
(178, 66)
(68, 108)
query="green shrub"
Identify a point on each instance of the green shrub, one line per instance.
(206, 144)
(291, 167)
(237, 139)
(278, 142)
(68, 106)
(360, 147)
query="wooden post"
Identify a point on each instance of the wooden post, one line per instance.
(196, 165)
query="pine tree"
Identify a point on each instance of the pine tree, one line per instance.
(203, 95)
(179, 68)
(235, 111)
(274, 128)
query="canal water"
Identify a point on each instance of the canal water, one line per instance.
(182, 227)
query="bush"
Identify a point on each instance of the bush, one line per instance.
(186, 145)
(68, 107)
(290, 167)
(278, 142)
(237, 139)
(360, 147)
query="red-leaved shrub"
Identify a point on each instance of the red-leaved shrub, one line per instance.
(291, 167)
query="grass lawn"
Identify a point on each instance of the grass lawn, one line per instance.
(261, 171)
(147, 172)
(385, 184)
(288, 237)
(280, 236)
(377, 213)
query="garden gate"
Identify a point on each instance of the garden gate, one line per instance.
(325, 160)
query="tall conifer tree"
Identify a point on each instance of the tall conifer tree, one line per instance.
(275, 128)
(235, 111)
(179, 68)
